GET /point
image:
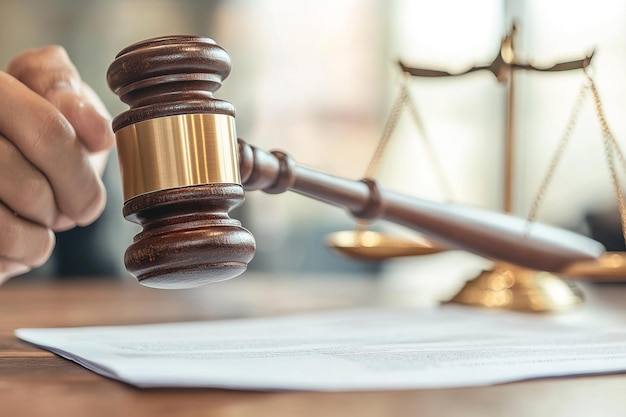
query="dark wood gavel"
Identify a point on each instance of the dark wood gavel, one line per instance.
(183, 170)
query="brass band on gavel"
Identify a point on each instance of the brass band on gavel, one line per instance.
(177, 151)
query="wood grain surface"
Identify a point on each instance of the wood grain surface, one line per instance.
(34, 382)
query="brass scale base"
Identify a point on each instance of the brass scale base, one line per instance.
(511, 287)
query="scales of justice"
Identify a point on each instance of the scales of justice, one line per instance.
(505, 285)
(183, 170)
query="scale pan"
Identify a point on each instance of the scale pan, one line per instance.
(610, 267)
(375, 246)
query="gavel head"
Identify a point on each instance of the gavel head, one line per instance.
(179, 164)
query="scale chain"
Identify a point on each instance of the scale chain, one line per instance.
(390, 126)
(445, 185)
(610, 143)
(564, 141)
(404, 99)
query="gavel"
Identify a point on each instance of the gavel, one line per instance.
(183, 170)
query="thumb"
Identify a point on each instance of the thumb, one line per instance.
(50, 73)
(87, 115)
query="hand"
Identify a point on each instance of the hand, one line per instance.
(55, 136)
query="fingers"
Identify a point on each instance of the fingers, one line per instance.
(49, 142)
(53, 130)
(49, 72)
(24, 189)
(23, 244)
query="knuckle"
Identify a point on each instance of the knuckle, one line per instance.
(56, 125)
(52, 125)
(34, 192)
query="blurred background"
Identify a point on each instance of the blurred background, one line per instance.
(318, 79)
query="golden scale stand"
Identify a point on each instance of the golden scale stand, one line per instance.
(505, 286)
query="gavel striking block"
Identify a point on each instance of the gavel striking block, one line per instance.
(183, 170)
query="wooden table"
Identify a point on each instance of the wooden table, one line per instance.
(34, 382)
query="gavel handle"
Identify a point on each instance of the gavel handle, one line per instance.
(486, 233)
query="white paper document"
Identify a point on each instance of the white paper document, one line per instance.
(378, 349)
